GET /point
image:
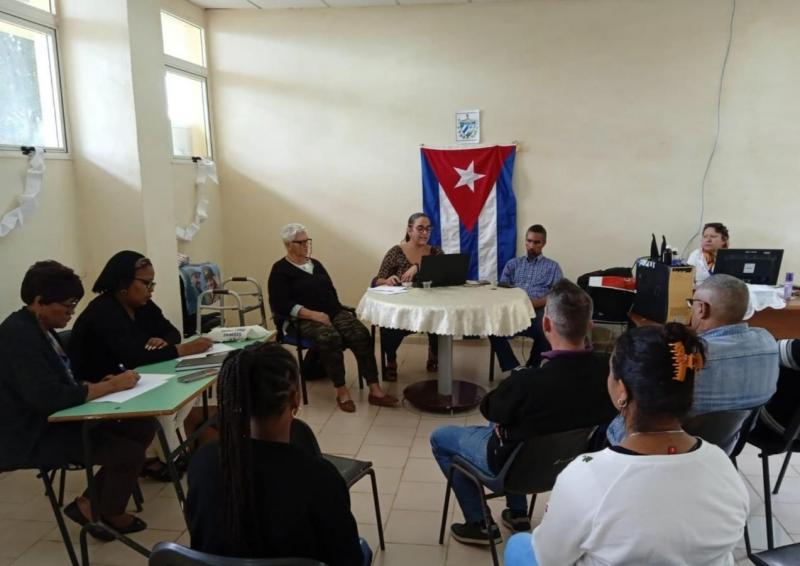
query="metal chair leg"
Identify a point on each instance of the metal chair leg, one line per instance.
(62, 482)
(446, 504)
(767, 500)
(138, 498)
(783, 471)
(371, 473)
(533, 503)
(487, 519)
(491, 362)
(51, 496)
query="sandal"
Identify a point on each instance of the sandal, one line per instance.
(157, 473)
(346, 405)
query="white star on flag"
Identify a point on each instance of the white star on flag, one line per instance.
(468, 176)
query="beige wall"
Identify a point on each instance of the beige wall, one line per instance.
(49, 233)
(320, 114)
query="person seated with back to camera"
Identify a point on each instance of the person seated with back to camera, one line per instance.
(253, 494)
(662, 496)
(715, 237)
(301, 289)
(123, 328)
(741, 370)
(566, 392)
(37, 380)
(401, 265)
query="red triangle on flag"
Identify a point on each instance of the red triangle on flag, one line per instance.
(467, 176)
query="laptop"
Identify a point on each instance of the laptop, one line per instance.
(756, 267)
(209, 361)
(443, 270)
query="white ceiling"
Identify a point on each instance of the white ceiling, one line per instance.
(282, 4)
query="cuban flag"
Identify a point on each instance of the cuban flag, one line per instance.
(467, 195)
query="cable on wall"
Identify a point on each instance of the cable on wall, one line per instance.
(716, 134)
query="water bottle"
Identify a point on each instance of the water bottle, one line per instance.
(787, 286)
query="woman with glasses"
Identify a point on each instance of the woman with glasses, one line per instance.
(715, 237)
(401, 265)
(38, 380)
(301, 292)
(123, 328)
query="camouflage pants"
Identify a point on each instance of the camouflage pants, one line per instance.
(346, 331)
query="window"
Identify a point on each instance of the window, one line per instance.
(31, 111)
(45, 5)
(185, 79)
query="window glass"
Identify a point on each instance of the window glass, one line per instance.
(41, 4)
(182, 39)
(30, 104)
(186, 105)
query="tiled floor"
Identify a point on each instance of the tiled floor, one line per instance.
(410, 484)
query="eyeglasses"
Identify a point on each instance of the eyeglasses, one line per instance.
(70, 305)
(150, 284)
(302, 242)
(423, 229)
(690, 302)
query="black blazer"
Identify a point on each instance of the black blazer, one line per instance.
(105, 337)
(33, 385)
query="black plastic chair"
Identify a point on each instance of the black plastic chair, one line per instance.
(532, 468)
(352, 470)
(771, 443)
(788, 555)
(721, 428)
(173, 554)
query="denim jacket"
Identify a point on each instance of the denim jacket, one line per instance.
(741, 372)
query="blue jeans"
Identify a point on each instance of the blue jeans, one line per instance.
(469, 442)
(519, 551)
(505, 354)
(366, 550)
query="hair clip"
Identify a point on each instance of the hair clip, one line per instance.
(683, 361)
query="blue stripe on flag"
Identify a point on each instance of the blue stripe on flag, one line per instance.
(430, 199)
(506, 215)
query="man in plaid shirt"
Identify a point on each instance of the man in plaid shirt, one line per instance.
(535, 274)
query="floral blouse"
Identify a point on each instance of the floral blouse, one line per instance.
(395, 262)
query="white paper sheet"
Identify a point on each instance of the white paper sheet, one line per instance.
(388, 289)
(147, 382)
(217, 348)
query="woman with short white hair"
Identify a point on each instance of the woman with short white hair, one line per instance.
(301, 289)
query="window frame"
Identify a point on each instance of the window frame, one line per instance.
(194, 71)
(17, 13)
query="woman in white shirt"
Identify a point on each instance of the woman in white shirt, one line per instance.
(662, 497)
(715, 237)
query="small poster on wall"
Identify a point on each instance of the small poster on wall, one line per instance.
(468, 126)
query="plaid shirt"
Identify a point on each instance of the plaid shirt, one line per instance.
(537, 275)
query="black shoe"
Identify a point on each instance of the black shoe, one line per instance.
(475, 533)
(519, 523)
(73, 512)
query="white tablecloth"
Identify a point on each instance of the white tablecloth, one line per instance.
(454, 311)
(762, 297)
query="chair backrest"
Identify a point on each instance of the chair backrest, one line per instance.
(721, 428)
(173, 554)
(536, 463)
(747, 426)
(301, 435)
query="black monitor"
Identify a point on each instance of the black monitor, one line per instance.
(757, 267)
(443, 270)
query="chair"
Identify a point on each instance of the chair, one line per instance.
(721, 428)
(46, 475)
(352, 470)
(788, 555)
(173, 554)
(288, 333)
(532, 468)
(771, 443)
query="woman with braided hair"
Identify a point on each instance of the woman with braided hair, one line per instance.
(660, 497)
(252, 494)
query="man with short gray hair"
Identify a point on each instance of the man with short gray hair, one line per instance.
(567, 391)
(741, 369)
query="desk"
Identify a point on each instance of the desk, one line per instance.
(781, 323)
(448, 312)
(165, 399)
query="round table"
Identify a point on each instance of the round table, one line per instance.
(448, 312)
